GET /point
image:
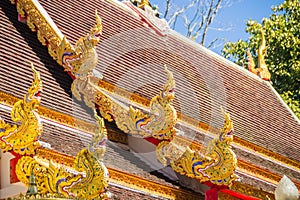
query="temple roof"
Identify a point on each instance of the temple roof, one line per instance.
(131, 57)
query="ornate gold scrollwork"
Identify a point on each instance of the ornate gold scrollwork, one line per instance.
(23, 138)
(87, 178)
(216, 166)
(160, 121)
(81, 58)
(37, 22)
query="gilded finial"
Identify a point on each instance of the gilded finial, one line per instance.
(261, 70)
(251, 64)
(262, 50)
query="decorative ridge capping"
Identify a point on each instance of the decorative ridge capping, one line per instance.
(49, 35)
(160, 121)
(129, 179)
(248, 190)
(38, 20)
(285, 189)
(122, 178)
(141, 101)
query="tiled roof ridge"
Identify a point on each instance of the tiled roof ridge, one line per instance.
(219, 58)
(193, 43)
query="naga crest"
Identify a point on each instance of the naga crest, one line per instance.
(168, 91)
(23, 138)
(217, 165)
(33, 96)
(81, 58)
(86, 178)
(226, 133)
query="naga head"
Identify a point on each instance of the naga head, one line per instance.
(97, 146)
(168, 91)
(82, 57)
(96, 31)
(226, 133)
(35, 90)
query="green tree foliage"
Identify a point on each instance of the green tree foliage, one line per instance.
(282, 31)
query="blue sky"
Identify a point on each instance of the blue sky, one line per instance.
(234, 16)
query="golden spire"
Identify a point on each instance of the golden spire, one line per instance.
(262, 69)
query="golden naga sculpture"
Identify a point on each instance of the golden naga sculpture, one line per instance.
(216, 166)
(87, 179)
(160, 121)
(262, 69)
(23, 138)
(141, 3)
(81, 58)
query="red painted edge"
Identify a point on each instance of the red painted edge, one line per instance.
(12, 167)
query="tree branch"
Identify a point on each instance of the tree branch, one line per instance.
(210, 17)
(168, 2)
(172, 20)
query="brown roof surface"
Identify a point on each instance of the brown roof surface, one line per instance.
(132, 57)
